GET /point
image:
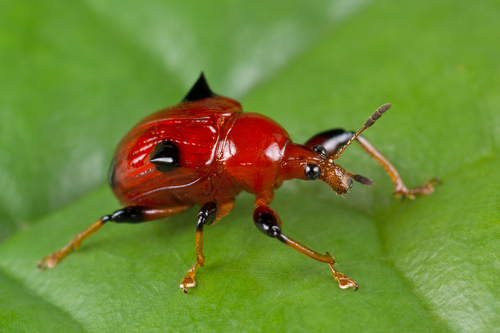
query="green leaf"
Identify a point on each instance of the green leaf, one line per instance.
(76, 76)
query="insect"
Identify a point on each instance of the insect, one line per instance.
(206, 150)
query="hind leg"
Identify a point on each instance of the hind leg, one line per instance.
(131, 214)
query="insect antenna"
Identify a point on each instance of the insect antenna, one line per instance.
(374, 117)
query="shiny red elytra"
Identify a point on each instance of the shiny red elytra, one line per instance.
(205, 151)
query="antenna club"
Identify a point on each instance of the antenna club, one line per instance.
(377, 114)
(363, 180)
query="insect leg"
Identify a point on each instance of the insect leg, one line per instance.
(131, 214)
(269, 222)
(334, 140)
(400, 188)
(209, 214)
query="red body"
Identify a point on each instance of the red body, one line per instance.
(205, 151)
(222, 151)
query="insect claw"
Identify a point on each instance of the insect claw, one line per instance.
(184, 285)
(41, 265)
(48, 262)
(402, 191)
(344, 281)
(401, 196)
(188, 281)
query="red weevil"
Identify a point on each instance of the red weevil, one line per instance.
(206, 150)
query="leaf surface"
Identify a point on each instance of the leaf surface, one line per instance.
(76, 76)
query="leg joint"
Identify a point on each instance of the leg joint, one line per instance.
(331, 140)
(132, 214)
(207, 214)
(267, 223)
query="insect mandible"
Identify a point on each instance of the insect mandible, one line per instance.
(206, 150)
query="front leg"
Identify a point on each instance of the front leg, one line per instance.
(209, 214)
(400, 188)
(334, 140)
(269, 222)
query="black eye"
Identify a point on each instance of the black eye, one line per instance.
(312, 171)
(165, 156)
(320, 150)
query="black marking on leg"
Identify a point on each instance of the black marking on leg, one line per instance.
(132, 214)
(332, 140)
(266, 222)
(199, 91)
(165, 156)
(320, 150)
(206, 215)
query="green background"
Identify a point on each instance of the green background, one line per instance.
(76, 76)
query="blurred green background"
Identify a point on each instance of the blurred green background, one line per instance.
(76, 76)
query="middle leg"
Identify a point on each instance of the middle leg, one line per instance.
(269, 222)
(209, 214)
